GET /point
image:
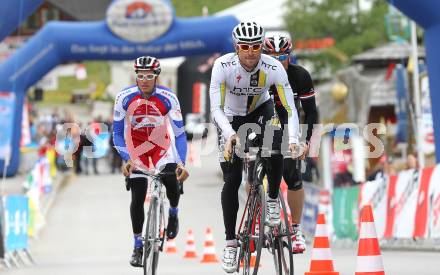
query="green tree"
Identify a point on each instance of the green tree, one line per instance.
(354, 30)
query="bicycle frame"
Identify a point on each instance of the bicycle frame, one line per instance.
(276, 239)
(253, 219)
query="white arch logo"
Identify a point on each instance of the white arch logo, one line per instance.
(139, 20)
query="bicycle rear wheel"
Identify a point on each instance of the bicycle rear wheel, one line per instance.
(151, 250)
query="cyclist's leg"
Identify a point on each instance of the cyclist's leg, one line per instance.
(138, 186)
(232, 175)
(274, 175)
(295, 199)
(295, 194)
(165, 162)
(173, 195)
(272, 137)
(171, 184)
(275, 170)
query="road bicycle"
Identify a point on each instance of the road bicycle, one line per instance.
(253, 235)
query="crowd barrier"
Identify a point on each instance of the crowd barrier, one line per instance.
(406, 206)
(22, 215)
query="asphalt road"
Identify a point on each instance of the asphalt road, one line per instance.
(88, 232)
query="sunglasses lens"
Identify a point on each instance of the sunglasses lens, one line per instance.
(244, 47)
(256, 47)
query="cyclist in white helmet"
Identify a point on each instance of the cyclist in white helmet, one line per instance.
(239, 94)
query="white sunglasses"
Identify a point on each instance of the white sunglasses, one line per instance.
(145, 76)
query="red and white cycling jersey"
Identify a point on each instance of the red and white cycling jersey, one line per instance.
(149, 131)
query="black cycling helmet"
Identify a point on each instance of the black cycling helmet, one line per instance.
(277, 45)
(147, 63)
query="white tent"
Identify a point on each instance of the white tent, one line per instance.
(269, 14)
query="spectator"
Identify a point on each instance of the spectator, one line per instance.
(88, 140)
(78, 153)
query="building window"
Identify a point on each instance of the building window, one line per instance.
(32, 23)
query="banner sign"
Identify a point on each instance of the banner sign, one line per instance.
(374, 193)
(310, 210)
(16, 222)
(434, 204)
(345, 212)
(405, 203)
(405, 206)
(427, 127)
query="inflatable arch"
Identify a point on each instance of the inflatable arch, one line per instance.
(60, 42)
(426, 14)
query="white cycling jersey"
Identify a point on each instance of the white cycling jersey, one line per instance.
(237, 92)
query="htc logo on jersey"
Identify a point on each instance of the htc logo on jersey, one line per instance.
(269, 66)
(246, 90)
(227, 64)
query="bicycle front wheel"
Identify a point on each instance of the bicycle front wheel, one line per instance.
(259, 210)
(282, 244)
(150, 240)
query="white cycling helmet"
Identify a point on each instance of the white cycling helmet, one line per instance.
(248, 32)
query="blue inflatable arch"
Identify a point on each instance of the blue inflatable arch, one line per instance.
(60, 42)
(426, 13)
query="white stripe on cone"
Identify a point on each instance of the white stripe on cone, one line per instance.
(209, 237)
(191, 247)
(321, 230)
(368, 231)
(209, 250)
(321, 254)
(369, 263)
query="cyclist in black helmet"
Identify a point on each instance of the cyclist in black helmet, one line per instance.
(143, 113)
(280, 47)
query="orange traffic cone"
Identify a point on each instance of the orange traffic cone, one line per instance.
(190, 250)
(209, 248)
(369, 260)
(171, 246)
(322, 263)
